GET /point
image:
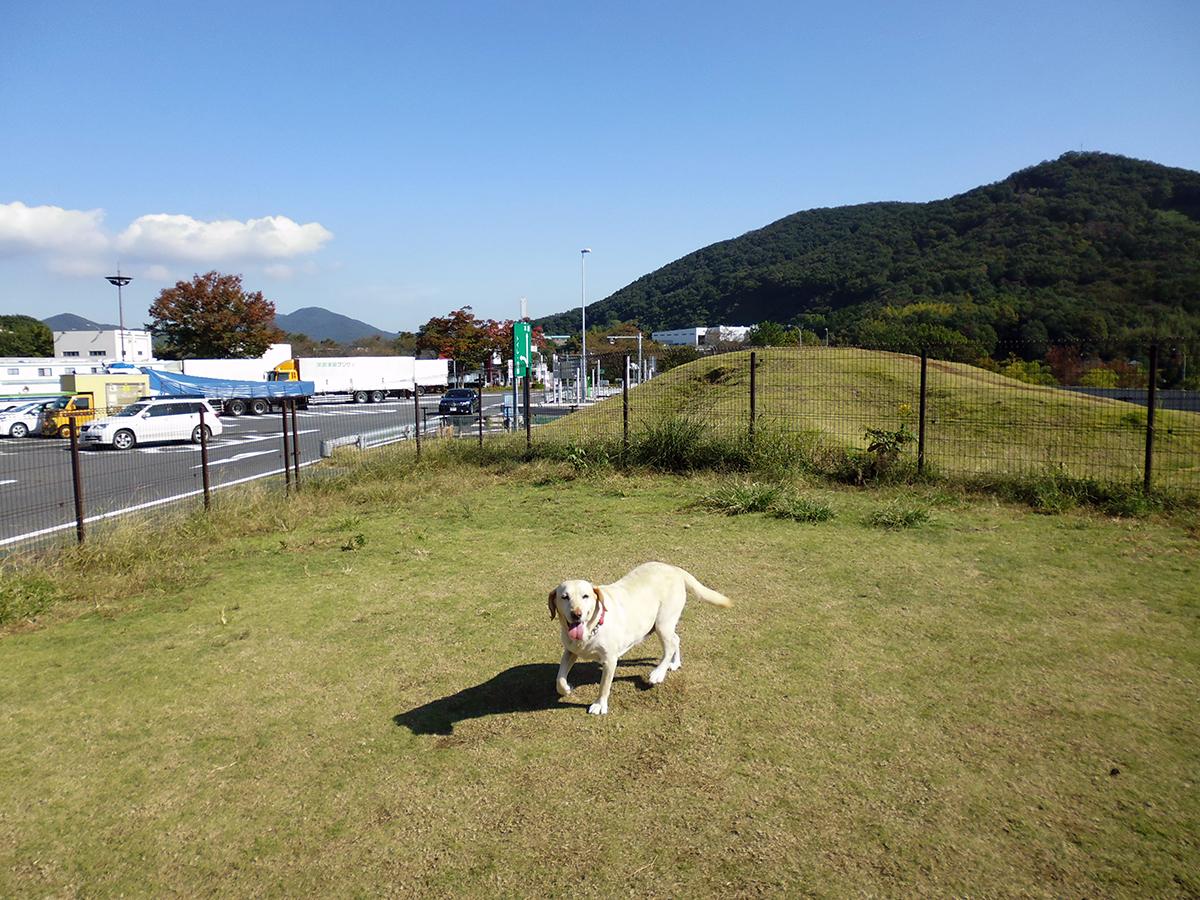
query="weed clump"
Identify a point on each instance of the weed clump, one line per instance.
(740, 498)
(897, 515)
(802, 509)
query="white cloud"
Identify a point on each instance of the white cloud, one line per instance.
(175, 237)
(74, 242)
(50, 229)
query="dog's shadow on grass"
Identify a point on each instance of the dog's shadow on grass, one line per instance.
(528, 688)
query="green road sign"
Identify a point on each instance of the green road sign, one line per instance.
(521, 332)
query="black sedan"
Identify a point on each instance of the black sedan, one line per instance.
(461, 401)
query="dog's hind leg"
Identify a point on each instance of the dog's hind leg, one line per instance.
(670, 658)
(564, 669)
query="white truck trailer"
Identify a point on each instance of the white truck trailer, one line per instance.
(361, 379)
(431, 375)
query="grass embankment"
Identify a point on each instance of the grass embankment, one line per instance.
(352, 693)
(977, 422)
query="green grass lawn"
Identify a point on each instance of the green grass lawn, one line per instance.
(352, 693)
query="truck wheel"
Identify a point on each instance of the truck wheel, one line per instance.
(123, 439)
(360, 396)
(19, 429)
(260, 407)
(419, 391)
(235, 407)
(196, 434)
(64, 431)
(378, 396)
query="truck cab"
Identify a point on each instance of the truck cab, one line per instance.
(56, 419)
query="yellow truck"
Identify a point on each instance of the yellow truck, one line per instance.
(86, 397)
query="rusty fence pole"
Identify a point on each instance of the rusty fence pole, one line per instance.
(753, 391)
(921, 417)
(204, 460)
(417, 420)
(76, 477)
(528, 423)
(625, 413)
(479, 395)
(1150, 403)
(287, 453)
(295, 446)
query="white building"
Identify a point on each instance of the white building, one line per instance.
(106, 344)
(681, 337)
(41, 375)
(701, 336)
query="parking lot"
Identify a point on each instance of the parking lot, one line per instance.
(37, 495)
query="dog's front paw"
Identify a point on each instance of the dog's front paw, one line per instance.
(599, 708)
(656, 677)
(563, 688)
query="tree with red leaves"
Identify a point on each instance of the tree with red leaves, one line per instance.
(212, 317)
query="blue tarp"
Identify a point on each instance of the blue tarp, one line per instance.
(176, 383)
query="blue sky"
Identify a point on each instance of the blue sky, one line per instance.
(393, 161)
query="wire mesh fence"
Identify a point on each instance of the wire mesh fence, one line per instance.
(946, 418)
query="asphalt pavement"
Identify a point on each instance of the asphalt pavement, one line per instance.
(37, 499)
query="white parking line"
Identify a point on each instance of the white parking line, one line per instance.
(8, 481)
(238, 458)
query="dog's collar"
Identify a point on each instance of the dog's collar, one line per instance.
(603, 609)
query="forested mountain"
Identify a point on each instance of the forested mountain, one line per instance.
(320, 324)
(1084, 249)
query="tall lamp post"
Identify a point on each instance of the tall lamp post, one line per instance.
(120, 281)
(583, 312)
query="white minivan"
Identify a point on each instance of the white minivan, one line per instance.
(151, 421)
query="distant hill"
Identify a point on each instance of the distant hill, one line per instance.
(1082, 249)
(72, 322)
(321, 324)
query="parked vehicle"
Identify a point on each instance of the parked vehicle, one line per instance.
(86, 396)
(431, 375)
(153, 420)
(231, 397)
(361, 379)
(459, 401)
(22, 419)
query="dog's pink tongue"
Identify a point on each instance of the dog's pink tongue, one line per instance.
(575, 632)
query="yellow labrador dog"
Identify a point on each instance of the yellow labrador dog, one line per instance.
(605, 621)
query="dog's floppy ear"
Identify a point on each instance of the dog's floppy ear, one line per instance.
(550, 602)
(599, 610)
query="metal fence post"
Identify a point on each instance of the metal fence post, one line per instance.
(287, 454)
(76, 477)
(1150, 400)
(479, 394)
(417, 421)
(528, 423)
(625, 412)
(295, 446)
(204, 475)
(921, 416)
(753, 391)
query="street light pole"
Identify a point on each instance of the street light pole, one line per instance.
(120, 281)
(583, 313)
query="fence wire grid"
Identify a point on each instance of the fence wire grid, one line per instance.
(960, 420)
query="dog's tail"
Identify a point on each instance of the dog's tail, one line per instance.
(708, 595)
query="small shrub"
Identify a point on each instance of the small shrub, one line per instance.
(676, 444)
(802, 509)
(740, 498)
(898, 515)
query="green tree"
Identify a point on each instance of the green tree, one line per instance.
(460, 336)
(772, 334)
(212, 316)
(25, 336)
